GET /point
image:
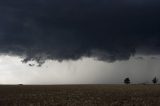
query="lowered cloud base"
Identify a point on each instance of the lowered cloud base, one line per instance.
(108, 30)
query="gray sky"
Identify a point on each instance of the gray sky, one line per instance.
(84, 71)
(112, 31)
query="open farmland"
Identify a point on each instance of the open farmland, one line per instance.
(80, 95)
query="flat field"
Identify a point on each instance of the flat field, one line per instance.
(80, 95)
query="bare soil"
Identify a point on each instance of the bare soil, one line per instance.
(80, 95)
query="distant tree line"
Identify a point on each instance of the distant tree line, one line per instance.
(127, 80)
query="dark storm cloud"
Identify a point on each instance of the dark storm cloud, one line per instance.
(70, 29)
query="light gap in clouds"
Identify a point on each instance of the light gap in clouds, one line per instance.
(85, 71)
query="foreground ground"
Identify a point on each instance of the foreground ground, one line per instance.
(80, 95)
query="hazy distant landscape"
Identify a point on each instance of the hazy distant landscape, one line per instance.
(80, 95)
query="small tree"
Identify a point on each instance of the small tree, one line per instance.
(127, 81)
(155, 80)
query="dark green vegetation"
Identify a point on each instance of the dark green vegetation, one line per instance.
(80, 95)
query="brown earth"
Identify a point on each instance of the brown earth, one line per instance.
(80, 95)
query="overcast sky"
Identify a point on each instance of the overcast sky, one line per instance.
(85, 41)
